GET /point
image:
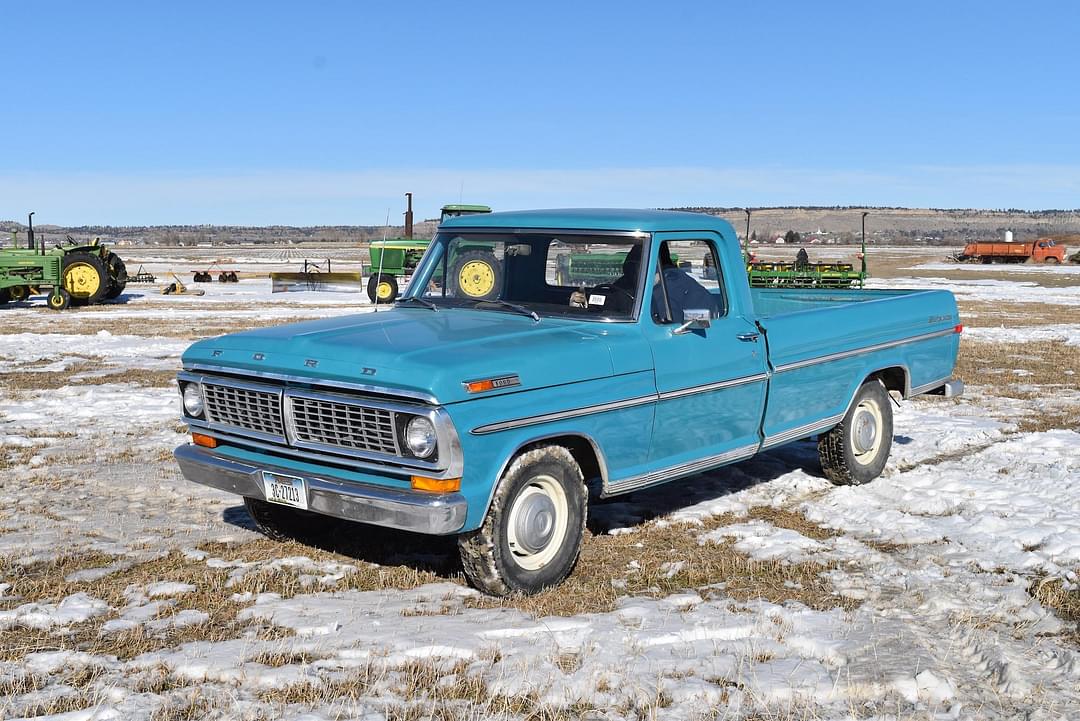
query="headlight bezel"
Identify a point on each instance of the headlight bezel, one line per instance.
(197, 399)
(428, 448)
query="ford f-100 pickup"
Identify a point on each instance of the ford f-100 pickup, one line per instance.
(539, 359)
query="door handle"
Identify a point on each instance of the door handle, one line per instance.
(748, 337)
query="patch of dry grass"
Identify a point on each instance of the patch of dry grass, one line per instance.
(992, 365)
(661, 559)
(1053, 593)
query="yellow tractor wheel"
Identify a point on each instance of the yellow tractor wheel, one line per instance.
(59, 299)
(85, 278)
(477, 275)
(382, 288)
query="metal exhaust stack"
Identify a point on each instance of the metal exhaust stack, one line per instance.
(30, 232)
(408, 217)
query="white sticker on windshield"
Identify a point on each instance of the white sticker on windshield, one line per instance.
(597, 299)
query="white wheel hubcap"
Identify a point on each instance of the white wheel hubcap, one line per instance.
(536, 527)
(866, 426)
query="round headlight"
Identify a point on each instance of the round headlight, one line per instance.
(193, 402)
(420, 437)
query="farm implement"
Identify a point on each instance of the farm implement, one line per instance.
(74, 274)
(314, 277)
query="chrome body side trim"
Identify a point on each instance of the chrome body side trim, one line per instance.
(434, 513)
(332, 384)
(663, 475)
(808, 429)
(562, 415)
(706, 388)
(859, 351)
(927, 387)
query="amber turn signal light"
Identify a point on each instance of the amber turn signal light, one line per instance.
(480, 386)
(438, 485)
(205, 441)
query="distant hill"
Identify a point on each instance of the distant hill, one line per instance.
(906, 226)
(915, 226)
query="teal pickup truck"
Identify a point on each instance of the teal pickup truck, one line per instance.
(497, 419)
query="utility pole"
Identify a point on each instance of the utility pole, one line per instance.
(865, 213)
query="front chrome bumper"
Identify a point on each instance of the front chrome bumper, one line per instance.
(437, 514)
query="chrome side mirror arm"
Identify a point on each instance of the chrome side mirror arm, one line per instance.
(694, 319)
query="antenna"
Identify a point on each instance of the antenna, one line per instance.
(461, 192)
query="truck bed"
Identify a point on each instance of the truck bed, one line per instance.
(772, 302)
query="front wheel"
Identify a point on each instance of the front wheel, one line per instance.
(59, 299)
(531, 536)
(382, 288)
(856, 450)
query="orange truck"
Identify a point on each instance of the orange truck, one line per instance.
(1043, 250)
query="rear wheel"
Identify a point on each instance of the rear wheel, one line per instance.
(531, 536)
(117, 276)
(84, 276)
(281, 523)
(477, 275)
(856, 450)
(5, 296)
(382, 288)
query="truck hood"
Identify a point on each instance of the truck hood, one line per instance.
(431, 353)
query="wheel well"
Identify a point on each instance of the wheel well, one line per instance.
(894, 379)
(583, 451)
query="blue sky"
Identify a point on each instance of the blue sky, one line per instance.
(326, 112)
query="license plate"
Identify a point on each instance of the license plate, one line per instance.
(286, 490)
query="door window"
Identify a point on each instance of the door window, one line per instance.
(689, 277)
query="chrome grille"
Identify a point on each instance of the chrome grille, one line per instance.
(253, 410)
(327, 422)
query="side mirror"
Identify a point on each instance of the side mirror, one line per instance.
(694, 319)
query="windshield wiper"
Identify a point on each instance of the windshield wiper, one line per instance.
(421, 301)
(512, 306)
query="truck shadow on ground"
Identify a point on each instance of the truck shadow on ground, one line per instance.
(439, 554)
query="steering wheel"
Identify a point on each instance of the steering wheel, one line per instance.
(627, 301)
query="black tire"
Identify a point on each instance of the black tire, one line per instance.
(476, 275)
(281, 523)
(856, 450)
(389, 288)
(85, 277)
(117, 276)
(544, 486)
(60, 299)
(232, 277)
(18, 293)
(5, 296)
(223, 278)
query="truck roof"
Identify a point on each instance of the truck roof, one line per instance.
(595, 219)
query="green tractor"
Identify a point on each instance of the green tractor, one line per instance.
(392, 261)
(75, 273)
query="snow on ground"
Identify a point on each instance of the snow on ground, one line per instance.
(1007, 268)
(931, 566)
(987, 291)
(1068, 333)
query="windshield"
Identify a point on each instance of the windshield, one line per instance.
(593, 277)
